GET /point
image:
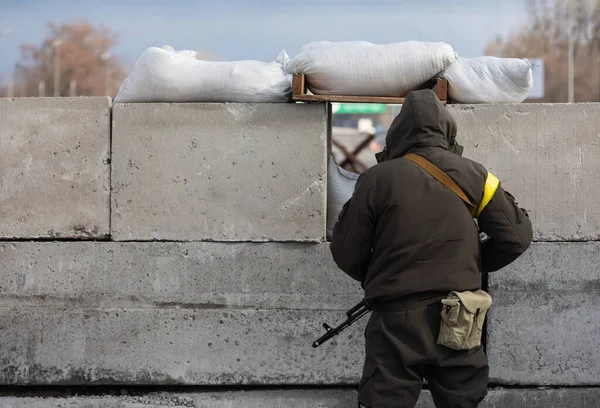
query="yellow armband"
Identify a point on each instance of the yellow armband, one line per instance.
(491, 185)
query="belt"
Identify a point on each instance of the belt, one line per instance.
(404, 303)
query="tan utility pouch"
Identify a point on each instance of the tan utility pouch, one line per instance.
(463, 316)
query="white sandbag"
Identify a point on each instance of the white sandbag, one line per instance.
(340, 186)
(489, 80)
(166, 75)
(360, 68)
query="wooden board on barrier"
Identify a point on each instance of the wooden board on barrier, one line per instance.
(300, 89)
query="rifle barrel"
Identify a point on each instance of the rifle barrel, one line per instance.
(354, 314)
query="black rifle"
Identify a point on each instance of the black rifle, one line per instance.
(353, 314)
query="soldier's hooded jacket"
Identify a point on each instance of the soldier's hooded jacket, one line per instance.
(406, 236)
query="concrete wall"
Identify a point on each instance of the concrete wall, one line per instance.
(54, 164)
(220, 172)
(546, 155)
(241, 312)
(497, 398)
(544, 326)
(219, 313)
(544, 315)
(166, 313)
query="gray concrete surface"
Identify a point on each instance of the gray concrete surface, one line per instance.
(55, 169)
(326, 398)
(220, 172)
(159, 313)
(544, 326)
(543, 398)
(546, 155)
(204, 346)
(165, 313)
(240, 399)
(300, 276)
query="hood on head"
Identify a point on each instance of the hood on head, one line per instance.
(423, 122)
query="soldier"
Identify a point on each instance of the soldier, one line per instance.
(409, 237)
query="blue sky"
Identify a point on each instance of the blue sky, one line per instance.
(259, 29)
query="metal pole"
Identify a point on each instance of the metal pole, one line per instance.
(105, 57)
(56, 43)
(106, 83)
(571, 52)
(42, 88)
(72, 88)
(56, 72)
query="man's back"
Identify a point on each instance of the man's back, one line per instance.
(410, 240)
(426, 243)
(405, 235)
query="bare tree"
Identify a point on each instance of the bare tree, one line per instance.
(80, 53)
(546, 36)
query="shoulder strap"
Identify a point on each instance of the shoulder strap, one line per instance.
(442, 178)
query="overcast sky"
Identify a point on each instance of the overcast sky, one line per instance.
(259, 29)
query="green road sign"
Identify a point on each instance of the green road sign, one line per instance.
(358, 108)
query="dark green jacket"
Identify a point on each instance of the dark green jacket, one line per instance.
(404, 235)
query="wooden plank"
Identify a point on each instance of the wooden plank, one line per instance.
(345, 98)
(442, 89)
(298, 85)
(299, 89)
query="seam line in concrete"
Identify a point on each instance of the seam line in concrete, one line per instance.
(138, 390)
(495, 386)
(59, 391)
(104, 238)
(157, 306)
(107, 238)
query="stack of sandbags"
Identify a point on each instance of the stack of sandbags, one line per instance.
(489, 80)
(166, 75)
(340, 186)
(359, 68)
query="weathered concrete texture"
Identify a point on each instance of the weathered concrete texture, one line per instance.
(174, 275)
(219, 172)
(543, 398)
(240, 399)
(175, 346)
(532, 398)
(54, 162)
(165, 313)
(498, 398)
(544, 326)
(546, 155)
(154, 313)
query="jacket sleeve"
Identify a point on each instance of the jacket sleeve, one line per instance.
(508, 228)
(353, 233)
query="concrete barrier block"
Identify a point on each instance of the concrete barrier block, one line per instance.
(224, 313)
(54, 161)
(219, 172)
(546, 155)
(239, 399)
(301, 398)
(173, 313)
(531, 398)
(543, 326)
(165, 346)
(543, 398)
(300, 276)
